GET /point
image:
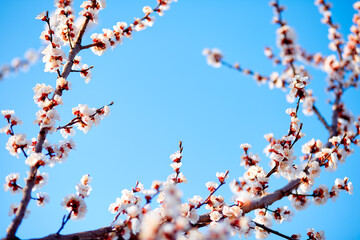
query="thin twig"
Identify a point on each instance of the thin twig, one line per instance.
(297, 136)
(64, 221)
(78, 118)
(124, 31)
(304, 195)
(269, 230)
(82, 70)
(273, 170)
(212, 193)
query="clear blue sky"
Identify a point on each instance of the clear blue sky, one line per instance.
(164, 92)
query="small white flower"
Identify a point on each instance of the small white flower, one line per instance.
(215, 216)
(41, 16)
(83, 190)
(36, 159)
(76, 205)
(11, 183)
(213, 57)
(133, 211)
(42, 199)
(176, 166)
(211, 186)
(176, 157)
(86, 179)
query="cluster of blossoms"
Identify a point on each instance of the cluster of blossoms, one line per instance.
(347, 59)
(110, 38)
(17, 142)
(285, 37)
(54, 56)
(286, 43)
(313, 235)
(47, 115)
(41, 179)
(85, 118)
(177, 176)
(281, 151)
(248, 159)
(320, 195)
(75, 203)
(316, 155)
(19, 64)
(282, 214)
(351, 50)
(84, 69)
(61, 30)
(64, 24)
(265, 217)
(12, 120)
(174, 219)
(133, 218)
(57, 153)
(340, 185)
(334, 35)
(12, 185)
(252, 185)
(91, 9)
(297, 88)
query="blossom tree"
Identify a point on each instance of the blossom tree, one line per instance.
(159, 210)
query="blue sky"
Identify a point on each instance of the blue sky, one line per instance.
(164, 92)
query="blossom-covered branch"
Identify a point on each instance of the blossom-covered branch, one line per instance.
(31, 56)
(160, 211)
(57, 35)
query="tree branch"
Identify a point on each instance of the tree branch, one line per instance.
(94, 234)
(321, 118)
(30, 181)
(258, 203)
